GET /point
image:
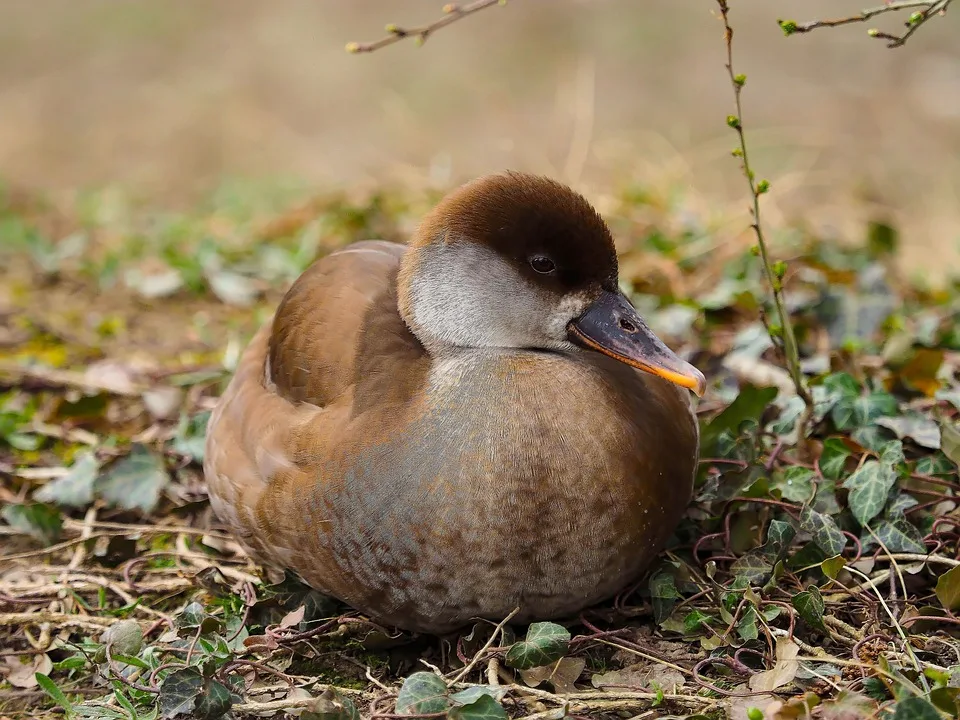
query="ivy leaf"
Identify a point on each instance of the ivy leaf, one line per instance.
(191, 436)
(483, 708)
(422, 693)
(899, 535)
(857, 412)
(869, 487)
(922, 430)
(747, 627)
(752, 567)
(832, 566)
(544, 643)
(135, 482)
(950, 441)
(873, 437)
(214, 702)
(833, 458)
(824, 530)
(916, 708)
(75, 489)
(663, 595)
(779, 536)
(179, 692)
(809, 604)
(473, 693)
(749, 405)
(948, 589)
(795, 484)
(37, 520)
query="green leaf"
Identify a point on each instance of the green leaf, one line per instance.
(55, 693)
(747, 626)
(795, 484)
(191, 436)
(179, 692)
(950, 441)
(809, 604)
(544, 643)
(922, 430)
(422, 693)
(891, 453)
(948, 589)
(752, 568)
(214, 701)
(916, 708)
(75, 489)
(832, 566)
(833, 458)
(136, 481)
(749, 405)
(192, 616)
(857, 412)
(869, 488)
(899, 535)
(37, 520)
(873, 437)
(663, 595)
(473, 693)
(125, 637)
(779, 536)
(125, 703)
(484, 708)
(824, 530)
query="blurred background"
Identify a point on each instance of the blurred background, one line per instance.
(168, 98)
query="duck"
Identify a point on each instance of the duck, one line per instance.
(474, 424)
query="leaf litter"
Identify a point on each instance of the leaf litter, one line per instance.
(795, 586)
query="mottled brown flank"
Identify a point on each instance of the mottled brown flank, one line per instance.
(427, 491)
(521, 215)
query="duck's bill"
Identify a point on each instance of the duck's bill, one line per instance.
(612, 326)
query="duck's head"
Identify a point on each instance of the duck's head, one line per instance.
(520, 261)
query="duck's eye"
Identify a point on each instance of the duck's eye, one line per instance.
(542, 264)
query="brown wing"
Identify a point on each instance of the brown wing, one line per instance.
(293, 392)
(321, 320)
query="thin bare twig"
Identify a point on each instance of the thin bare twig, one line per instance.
(452, 13)
(924, 11)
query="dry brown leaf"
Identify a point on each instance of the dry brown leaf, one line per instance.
(22, 673)
(562, 674)
(782, 672)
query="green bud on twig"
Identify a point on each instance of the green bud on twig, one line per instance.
(352, 47)
(740, 79)
(775, 330)
(789, 27)
(763, 186)
(873, 32)
(915, 18)
(779, 269)
(733, 121)
(737, 152)
(755, 250)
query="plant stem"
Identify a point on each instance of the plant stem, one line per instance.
(790, 349)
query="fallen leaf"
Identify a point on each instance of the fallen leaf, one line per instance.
(561, 674)
(24, 669)
(783, 671)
